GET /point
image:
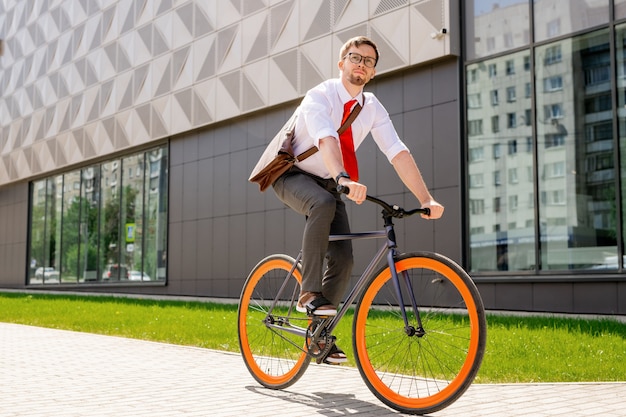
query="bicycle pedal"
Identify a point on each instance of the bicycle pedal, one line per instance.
(316, 352)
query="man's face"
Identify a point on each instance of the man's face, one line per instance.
(358, 73)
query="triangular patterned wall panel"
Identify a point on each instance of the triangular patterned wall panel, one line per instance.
(81, 79)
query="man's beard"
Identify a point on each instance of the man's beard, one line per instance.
(356, 79)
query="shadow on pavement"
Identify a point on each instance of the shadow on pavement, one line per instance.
(328, 404)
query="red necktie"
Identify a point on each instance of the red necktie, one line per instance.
(347, 145)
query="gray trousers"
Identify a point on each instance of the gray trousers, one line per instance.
(325, 213)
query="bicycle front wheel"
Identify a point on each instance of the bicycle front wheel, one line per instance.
(429, 364)
(271, 343)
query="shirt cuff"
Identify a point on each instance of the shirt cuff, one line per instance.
(324, 133)
(395, 150)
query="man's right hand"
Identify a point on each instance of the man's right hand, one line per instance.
(358, 191)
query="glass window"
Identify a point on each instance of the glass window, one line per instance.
(37, 231)
(477, 207)
(110, 225)
(89, 195)
(554, 83)
(557, 17)
(476, 180)
(475, 127)
(497, 179)
(495, 124)
(132, 220)
(496, 151)
(46, 230)
(494, 26)
(620, 9)
(511, 120)
(552, 55)
(510, 67)
(477, 154)
(474, 100)
(472, 77)
(578, 138)
(53, 230)
(620, 47)
(499, 242)
(70, 221)
(511, 94)
(102, 223)
(155, 209)
(494, 98)
(512, 174)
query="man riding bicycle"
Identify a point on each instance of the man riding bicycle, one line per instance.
(310, 187)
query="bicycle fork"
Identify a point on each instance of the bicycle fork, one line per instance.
(408, 328)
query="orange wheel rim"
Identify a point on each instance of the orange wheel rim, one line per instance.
(465, 370)
(243, 325)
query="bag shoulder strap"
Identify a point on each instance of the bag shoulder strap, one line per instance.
(353, 114)
(313, 149)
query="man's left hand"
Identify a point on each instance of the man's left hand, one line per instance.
(436, 210)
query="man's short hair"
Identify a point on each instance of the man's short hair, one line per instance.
(356, 42)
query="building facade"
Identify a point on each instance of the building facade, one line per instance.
(128, 130)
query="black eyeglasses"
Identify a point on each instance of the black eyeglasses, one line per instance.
(355, 58)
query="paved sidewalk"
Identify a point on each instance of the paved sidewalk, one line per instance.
(46, 372)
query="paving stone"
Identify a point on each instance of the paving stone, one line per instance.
(48, 372)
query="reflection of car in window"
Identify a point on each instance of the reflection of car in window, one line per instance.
(610, 262)
(47, 274)
(138, 276)
(115, 272)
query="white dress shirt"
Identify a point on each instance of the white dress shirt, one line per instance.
(320, 114)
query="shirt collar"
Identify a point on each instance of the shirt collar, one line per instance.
(344, 96)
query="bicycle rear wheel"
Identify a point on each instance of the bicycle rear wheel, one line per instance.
(272, 351)
(420, 369)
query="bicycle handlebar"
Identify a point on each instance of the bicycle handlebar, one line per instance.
(394, 211)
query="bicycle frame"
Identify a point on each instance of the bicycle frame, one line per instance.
(389, 248)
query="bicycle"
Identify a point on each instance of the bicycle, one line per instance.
(419, 327)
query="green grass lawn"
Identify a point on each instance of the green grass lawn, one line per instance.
(519, 349)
